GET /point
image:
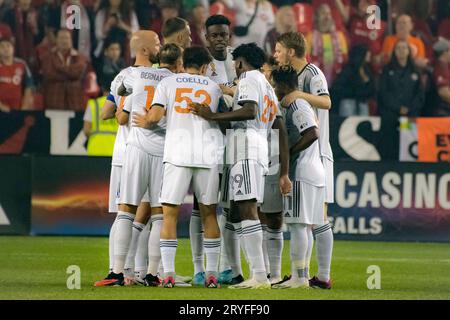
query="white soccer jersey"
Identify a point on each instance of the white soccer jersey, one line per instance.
(142, 83)
(190, 140)
(248, 140)
(122, 132)
(312, 80)
(222, 72)
(308, 166)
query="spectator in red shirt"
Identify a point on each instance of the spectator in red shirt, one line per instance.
(5, 31)
(441, 80)
(340, 10)
(197, 23)
(22, 20)
(327, 46)
(360, 33)
(63, 72)
(169, 9)
(16, 81)
(284, 22)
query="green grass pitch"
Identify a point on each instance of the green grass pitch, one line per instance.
(35, 268)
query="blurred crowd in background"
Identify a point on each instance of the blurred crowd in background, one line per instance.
(399, 67)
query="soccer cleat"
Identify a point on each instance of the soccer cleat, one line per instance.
(179, 283)
(226, 276)
(314, 282)
(285, 278)
(275, 280)
(168, 282)
(185, 279)
(238, 279)
(152, 281)
(129, 281)
(211, 282)
(251, 284)
(292, 284)
(199, 279)
(113, 279)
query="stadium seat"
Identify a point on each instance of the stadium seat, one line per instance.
(304, 16)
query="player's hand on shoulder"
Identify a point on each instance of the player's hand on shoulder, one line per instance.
(226, 90)
(139, 120)
(285, 184)
(291, 97)
(201, 110)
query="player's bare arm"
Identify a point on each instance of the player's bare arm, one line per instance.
(228, 90)
(150, 118)
(320, 102)
(309, 136)
(285, 182)
(122, 117)
(108, 110)
(247, 112)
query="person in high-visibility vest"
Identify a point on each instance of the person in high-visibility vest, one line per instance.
(101, 134)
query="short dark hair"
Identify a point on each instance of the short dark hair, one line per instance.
(172, 26)
(195, 57)
(251, 53)
(294, 40)
(285, 75)
(111, 41)
(217, 19)
(169, 54)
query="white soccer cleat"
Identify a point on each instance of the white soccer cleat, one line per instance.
(275, 280)
(186, 279)
(251, 284)
(292, 284)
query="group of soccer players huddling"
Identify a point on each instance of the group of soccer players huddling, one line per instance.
(248, 134)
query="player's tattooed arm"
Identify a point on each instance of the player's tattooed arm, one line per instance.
(320, 102)
(247, 112)
(308, 137)
(285, 182)
(122, 91)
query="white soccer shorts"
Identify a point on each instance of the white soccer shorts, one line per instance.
(273, 200)
(246, 181)
(141, 174)
(114, 187)
(176, 181)
(306, 204)
(329, 179)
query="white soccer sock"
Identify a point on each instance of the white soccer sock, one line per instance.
(299, 246)
(324, 250)
(253, 239)
(231, 236)
(309, 233)
(112, 233)
(122, 238)
(141, 258)
(264, 248)
(196, 237)
(154, 251)
(129, 262)
(212, 251)
(168, 251)
(275, 250)
(222, 220)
